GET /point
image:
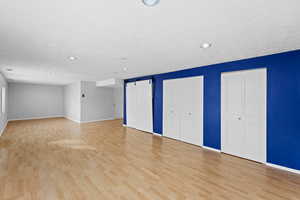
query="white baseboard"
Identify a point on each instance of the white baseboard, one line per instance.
(57, 116)
(89, 121)
(71, 119)
(4, 127)
(157, 134)
(32, 118)
(212, 149)
(268, 164)
(98, 120)
(283, 168)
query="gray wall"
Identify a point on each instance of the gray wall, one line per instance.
(27, 101)
(98, 103)
(72, 103)
(118, 103)
(3, 116)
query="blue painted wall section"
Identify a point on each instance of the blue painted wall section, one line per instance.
(283, 99)
(212, 110)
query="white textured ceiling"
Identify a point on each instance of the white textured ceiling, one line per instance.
(38, 36)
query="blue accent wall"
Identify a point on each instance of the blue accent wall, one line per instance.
(283, 103)
(212, 110)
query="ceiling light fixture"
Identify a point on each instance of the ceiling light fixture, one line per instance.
(151, 2)
(205, 45)
(72, 58)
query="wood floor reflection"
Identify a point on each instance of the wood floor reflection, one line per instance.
(53, 159)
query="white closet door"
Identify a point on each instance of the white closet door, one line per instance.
(171, 111)
(255, 114)
(183, 109)
(144, 106)
(244, 114)
(233, 130)
(191, 128)
(131, 101)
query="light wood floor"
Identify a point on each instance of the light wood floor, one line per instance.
(58, 159)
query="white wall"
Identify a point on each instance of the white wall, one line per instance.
(118, 103)
(98, 103)
(27, 101)
(3, 116)
(72, 103)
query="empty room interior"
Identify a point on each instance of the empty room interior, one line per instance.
(149, 100)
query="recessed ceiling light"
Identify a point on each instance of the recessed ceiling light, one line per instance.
(72, 58)
(9, 69)
(150, 2)
(205, 45)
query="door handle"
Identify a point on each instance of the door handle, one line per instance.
(239, 118)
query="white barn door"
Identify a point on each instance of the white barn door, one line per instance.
(139, 108)
(144, 106)
(131, 101)
(244, 114)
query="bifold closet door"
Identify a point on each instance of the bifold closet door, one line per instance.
(244, 114)
(183, 109)
(191, 127)
(139, 105)
(171, 109)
